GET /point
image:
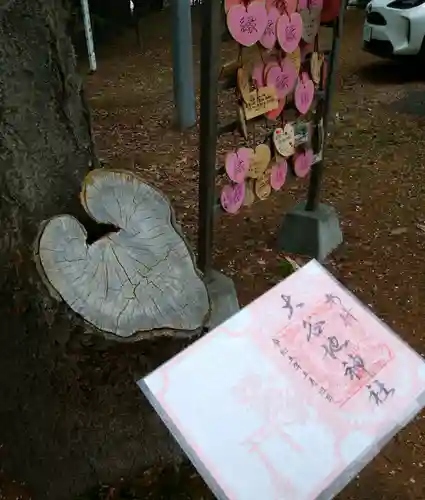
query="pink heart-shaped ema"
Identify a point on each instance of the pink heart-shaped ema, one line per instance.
(283, 6)
(258, 75)
(237, 164)
(247, 24)
(304, 93)
(282, 78)
(316, 4)
(278, 174)
(268, 40)
(271, 64)
(303, 162)
(232, 197)
(272, 115)
(228, 4)
(310, 23)
(289, 31)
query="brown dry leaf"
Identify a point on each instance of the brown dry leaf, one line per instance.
(398, 231)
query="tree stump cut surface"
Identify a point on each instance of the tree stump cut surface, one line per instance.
(141, 278)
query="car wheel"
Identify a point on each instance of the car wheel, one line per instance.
(421, 54)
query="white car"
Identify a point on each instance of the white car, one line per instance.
(395, 28)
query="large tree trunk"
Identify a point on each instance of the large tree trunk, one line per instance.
(69, 416)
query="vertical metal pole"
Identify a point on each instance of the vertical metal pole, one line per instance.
(89, 35)
(184, 93)
(210, 56)
(313, 195)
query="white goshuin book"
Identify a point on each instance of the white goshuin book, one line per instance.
(291, 397)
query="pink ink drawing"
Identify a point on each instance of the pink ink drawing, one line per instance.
(268, 40)
(232, 196)
(247, 23)
(237, 164)
(289, 31)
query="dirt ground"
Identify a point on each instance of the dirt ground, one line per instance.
(373, 177)
(374, 172)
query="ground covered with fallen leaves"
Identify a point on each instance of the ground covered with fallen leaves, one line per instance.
(374, 178)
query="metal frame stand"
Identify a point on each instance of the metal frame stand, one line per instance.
(317, 171)
(210, 57)
(224, 302)
(312, 228)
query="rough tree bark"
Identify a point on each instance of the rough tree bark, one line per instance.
(69, 415)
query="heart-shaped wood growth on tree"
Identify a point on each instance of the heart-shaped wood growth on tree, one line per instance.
(140, 279)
